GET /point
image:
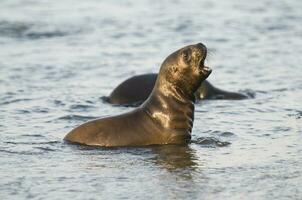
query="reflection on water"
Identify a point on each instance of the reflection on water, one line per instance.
(175, 157)
(58, 58)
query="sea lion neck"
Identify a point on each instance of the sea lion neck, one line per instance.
(172, 90)
(170, 109)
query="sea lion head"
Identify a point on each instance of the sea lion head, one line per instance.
(184, 69)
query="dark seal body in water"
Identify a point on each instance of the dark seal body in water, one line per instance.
(137, 89)
(166, 117)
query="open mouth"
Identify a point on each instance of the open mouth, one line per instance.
(202, 68)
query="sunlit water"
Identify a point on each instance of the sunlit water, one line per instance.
(57, 58)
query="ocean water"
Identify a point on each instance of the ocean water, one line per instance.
(58, 58)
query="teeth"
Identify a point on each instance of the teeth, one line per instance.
(206, 68)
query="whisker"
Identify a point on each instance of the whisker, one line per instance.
(210, 53)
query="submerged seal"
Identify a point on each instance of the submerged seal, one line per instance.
(166, 117)
(136, 90)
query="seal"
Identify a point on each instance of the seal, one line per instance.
(166, 117)
(208, 91)
(135, 90)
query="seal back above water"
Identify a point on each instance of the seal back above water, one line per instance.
(135, 90)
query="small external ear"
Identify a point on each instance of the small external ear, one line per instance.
(186, 55)
(174, 69)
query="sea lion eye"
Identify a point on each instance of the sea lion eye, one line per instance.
(186, 56)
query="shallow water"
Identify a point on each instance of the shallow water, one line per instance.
(57, 59)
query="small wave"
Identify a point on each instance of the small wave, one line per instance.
(222, 40)
(297, 114)
(76, 117)
(249, 93)
(210, 142)
(278, 27)
(227, 134)
(23, 111)
(13, 29)
(44, 148)
(221, 133)
(33, 110)
(8, 94)
(14, 101)
(40, 35)
(21, 152)
(33, 31)
(281, 129)
(58, 103)
(279, 90)
(34, 135)
(32, 143)
(81, 107)
(261, 91)
(182, 27)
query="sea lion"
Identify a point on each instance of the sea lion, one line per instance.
(166, 117)
(135, 90)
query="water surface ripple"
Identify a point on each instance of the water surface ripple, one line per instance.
(58, 58)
